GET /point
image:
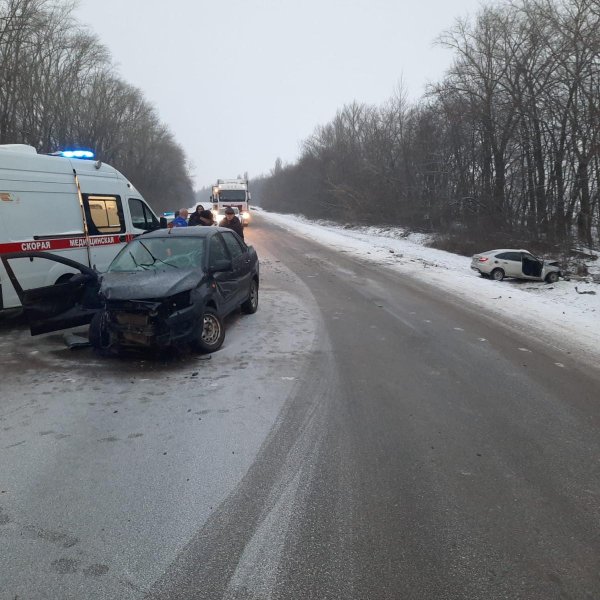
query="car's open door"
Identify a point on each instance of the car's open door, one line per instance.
(532, 266)
(58, 306)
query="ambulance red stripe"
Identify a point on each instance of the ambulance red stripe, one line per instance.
(67, 243)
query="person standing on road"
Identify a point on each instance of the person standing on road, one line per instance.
(206, 218)
(181, 219)
(195, 216)
(232, 222)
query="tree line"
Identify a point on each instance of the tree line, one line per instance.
(505, 147)
(59, 89)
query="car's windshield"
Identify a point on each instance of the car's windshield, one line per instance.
(160, 253)
(232, 195)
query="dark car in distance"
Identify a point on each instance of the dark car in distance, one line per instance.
(164, 288)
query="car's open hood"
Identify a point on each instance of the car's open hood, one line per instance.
(142, 285)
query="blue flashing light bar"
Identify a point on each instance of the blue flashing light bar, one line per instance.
(77, 154)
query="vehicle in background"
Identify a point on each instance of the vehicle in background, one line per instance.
(521, 264)
(219, 215)
(168, 216)
(81, 209)
(234, 193)
(166, 288)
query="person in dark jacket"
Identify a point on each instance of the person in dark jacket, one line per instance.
(206, 218)
(232, 222)
(195, 216)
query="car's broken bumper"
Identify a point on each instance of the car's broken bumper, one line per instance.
(149, 327)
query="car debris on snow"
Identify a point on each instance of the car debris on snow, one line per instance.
(74, 341)
(592, 292)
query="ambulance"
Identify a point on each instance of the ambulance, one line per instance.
(67, 204)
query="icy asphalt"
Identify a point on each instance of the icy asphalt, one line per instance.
(359, 437)
(110, 465)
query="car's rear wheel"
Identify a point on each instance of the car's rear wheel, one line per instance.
(251, 305)
(552, 277)
(212, 333)
(497, 275)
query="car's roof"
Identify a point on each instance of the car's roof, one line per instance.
(505, 250)
(192, 231)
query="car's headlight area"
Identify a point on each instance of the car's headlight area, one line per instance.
(245, 215)
(179, 301)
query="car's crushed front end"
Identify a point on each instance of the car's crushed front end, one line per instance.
(152, 323)
(151, 309)
(551, 267)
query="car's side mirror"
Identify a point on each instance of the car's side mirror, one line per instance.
(163, 222)
(220, 265)
(80, 278)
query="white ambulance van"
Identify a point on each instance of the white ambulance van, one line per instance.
(81, 209)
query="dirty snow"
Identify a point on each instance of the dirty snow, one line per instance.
(566, 317)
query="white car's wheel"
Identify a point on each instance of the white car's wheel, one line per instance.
(497, 275)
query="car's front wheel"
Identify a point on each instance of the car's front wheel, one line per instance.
(497, 275)
(251, 305)
(552, 277)
(99, 335)
(212, 333)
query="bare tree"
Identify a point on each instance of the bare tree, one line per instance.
(58, 88)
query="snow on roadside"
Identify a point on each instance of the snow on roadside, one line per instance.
(559, 313)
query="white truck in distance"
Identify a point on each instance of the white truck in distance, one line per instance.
(234, 193)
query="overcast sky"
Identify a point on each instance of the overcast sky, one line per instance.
(241, 82)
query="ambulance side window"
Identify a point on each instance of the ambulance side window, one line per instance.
(104, 214)
(141, 215)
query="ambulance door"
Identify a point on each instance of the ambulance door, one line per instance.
(106, 227)
(142, 217)
(39, 211)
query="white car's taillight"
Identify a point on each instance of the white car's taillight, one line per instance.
(483, 259)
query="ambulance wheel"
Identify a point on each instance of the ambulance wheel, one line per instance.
(98, 335)
(212, 332)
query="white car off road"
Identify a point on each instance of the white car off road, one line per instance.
(498, 264)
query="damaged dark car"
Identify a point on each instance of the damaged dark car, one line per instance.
(163, 289)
